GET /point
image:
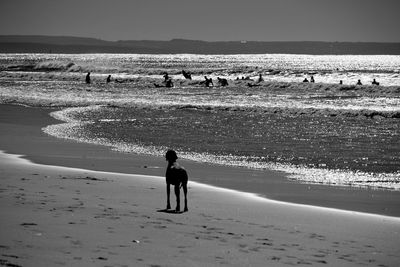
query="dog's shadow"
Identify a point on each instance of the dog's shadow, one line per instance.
(170, 211)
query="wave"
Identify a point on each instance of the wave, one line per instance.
(281, 68)
(298, 111)
(289, 99)
(55, 66)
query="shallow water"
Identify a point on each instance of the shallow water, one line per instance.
(274, 67)
(317, 132)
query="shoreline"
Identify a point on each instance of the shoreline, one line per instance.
(252, 197)
(22, 134)
(81, 217)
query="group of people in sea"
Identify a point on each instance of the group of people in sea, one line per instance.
(88, 80)
(374, 82)
(208, 82)
(311, 80)
(168, 80)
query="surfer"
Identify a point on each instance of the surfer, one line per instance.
(253, 85)
(312, 79)
(359, 82)
(260, 78)
(187, 75)
(305, 80)
(374, 82)
(109, 78)
(208, 81)
(169, 83)
(88, 77)
(166, 77)
(222, 81)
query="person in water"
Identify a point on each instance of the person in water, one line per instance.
(169, 83)
(208, 81)
(109, 78)
(260, 78)
(88, 77)
(177, 176)
(222, 81)
(187, 75)
(166, 77)
(253, 85)
(312, 79)
(359, 82)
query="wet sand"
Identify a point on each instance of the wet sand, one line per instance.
(21, 134)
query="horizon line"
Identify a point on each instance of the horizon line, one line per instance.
(244, 41)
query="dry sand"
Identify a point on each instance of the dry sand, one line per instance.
(58, 216)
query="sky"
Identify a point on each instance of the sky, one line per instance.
(208, 20)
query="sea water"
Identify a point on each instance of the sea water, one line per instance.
(322, 132)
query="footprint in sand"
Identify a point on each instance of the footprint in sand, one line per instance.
(348, 257)
(317, 236)
(4, 262)
(28, 224)
(76, 243)
(303, 262)
(265, 241)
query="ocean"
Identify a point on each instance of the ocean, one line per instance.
(323, 132)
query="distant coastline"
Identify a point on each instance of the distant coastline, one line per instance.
(70, 45)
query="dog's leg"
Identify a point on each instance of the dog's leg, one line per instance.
(185, 194)
(178, 199)
(168, 199)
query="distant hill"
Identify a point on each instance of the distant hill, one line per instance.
(64, 44)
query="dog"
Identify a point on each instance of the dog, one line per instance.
(177, 176)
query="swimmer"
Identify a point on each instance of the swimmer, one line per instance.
(187, 75)
(374, 82)
(166, 77)
(88, 77)
(222, 81)
(260, 78)
(208, 81)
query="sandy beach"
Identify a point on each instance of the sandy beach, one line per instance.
(63, 214)
(58, 216)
